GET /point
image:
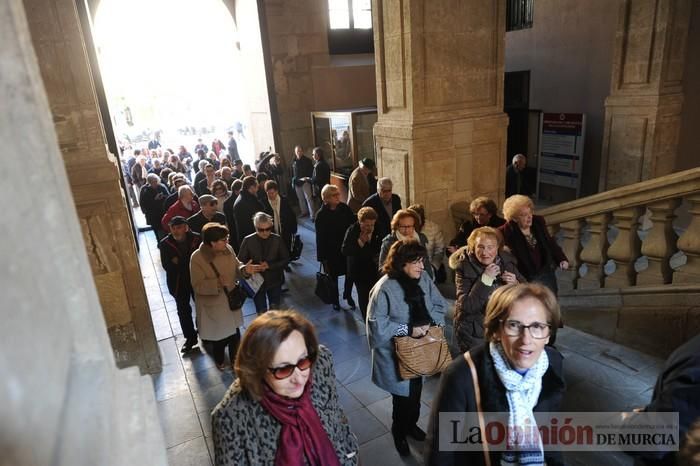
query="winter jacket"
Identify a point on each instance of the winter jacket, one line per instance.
(362, 262)
(178, 209)
(383, 224)
(271, 250)
(331, 226)
(244, 208)
(177, 264)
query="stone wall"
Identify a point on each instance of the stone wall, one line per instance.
(304, 74)
(94, 178)
(64, 401)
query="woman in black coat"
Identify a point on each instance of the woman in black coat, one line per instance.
(361, 247)
(332, 221)
(516, 374)
(526, 235)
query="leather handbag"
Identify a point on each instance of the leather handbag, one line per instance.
(297, 247)
(326, 286)
(424, 356)
(236, 297)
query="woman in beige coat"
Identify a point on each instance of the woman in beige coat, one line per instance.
(212, 267)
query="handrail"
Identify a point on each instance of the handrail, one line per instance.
(670, 186)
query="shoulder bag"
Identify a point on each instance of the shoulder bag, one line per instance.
(326, 286)
(426, 355)
(236, 297)
(479, 410)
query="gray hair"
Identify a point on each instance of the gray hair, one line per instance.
(261, 218)
(517, 157)
(384, 182)
(182, 189)
(152, 176)
(202, 163)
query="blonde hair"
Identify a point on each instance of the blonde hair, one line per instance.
(328, 191)
(488, 232)
(514, 203)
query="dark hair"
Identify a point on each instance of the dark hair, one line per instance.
(137, 152)
(400, 254)
(237, 185)
(212, 232)
(502, 300)
(261, 341)
(219, 184)
(486, 203)
(201, 153)
(261, 177)
(248, 181)
(246, 167)
(420, 210)
(271, 184)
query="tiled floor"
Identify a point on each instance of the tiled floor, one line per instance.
(601, 375)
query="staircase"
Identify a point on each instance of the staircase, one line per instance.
(628, 281)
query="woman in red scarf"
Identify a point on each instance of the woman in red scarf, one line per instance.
(283, 409)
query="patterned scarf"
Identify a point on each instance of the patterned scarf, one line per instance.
(522, 392)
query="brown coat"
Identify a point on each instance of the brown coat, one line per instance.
(358, 189)
(215, 321)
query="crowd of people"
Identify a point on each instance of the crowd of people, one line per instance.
(223, 222)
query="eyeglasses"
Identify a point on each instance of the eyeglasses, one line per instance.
(263, 230)
(286, 371)
(406, 227)
(515, 328)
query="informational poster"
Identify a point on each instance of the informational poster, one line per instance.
(561, 150)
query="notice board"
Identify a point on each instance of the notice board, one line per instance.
(561, 150)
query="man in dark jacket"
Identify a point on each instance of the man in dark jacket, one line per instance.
(302, 171)
(245, 207)
(518, 177)
(361, 247)
(232, 147)
(321, 175)
(208, 213)
(152, 198)
(175, 252)
(268, 250)
(385, 203)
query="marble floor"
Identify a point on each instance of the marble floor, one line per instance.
(601, 375)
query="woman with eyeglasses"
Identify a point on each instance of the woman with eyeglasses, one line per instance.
(213, 268)
(405, 301)
(283, 408)
(515, 374)
(404, 227)
(480, 267)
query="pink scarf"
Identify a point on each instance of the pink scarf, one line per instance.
(302, 433)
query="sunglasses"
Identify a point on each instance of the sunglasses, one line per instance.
(286, 371)
(263, 230)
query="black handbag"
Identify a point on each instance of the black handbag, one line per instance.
(297, 247)
(326, 286)
(236, 297)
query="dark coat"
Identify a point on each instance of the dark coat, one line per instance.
(198, 220)
(288, 220)
(473, 295)
(302, 167)
(456, 394)
(272, 250)
(362, 262)
(244, 208)
(233, 149)
(201, 187)
(152, 203)
(320, 177)
(383, 224)
(526, 181)
(231, 222)
(467, 227)
(331, 226)
(177, 271)
(677, 390)
(550, 251)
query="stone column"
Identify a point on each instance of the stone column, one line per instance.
(626, 248)
(594, 253)
(441, 132)
(660, 244)
(571, 245)
(94, 178)
(64, 401)
(643, 111)
(689, 243)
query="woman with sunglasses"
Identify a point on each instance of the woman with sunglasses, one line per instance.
(283, 408)
(405, 301)
(515, 374)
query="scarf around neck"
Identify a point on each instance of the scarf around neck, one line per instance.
(522, 393)
(415, 298)
(303, 439)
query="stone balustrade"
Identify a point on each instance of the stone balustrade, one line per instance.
(619, 211)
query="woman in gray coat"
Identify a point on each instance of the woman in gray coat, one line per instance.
(212, 267)
(404, 302)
